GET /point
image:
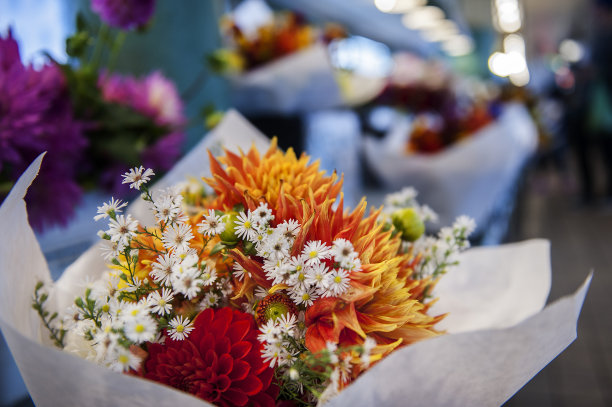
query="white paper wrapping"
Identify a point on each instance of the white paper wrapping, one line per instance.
(479, 368)
(468, 178)
(301, 82)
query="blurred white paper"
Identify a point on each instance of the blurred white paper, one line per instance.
(470, 177)
(303, 81)
(474, 368)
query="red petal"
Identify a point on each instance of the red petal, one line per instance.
(265, 400)
(240, 371)
(226, 363)
(223, 345)
(240, 349)
(238, 331)
(235, 397)
(223, 383)
(250, 385)
(223, 318)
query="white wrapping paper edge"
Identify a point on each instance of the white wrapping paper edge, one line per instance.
(300, 82)
(467, 178)
(473, 368)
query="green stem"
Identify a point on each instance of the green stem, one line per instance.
(117, 44)
(97, 53)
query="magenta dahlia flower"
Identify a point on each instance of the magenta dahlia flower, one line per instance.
(124, 14)
(219, 361)
(36, 116)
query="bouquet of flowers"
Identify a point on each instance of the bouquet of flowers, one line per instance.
(265, 289)
(280, 65)
(93, 123)
(432, 132)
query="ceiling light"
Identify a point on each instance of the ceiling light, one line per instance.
(422, 17)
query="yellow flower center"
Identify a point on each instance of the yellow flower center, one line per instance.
(313, 254)
(306, 297)
(299, 268)
(180, 328)
(123, 359)
(162, 303)
(338, 279)
(139, 328)
(247, 225)
(105, 308)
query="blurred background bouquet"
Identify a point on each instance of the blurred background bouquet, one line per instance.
(93, 122)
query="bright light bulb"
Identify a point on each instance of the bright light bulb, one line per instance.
(571, 51)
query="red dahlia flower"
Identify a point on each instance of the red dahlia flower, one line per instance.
(220, 361)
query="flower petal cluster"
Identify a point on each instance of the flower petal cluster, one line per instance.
(124, 14)
(36, 116)
(219, 361)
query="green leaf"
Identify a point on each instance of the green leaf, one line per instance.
(217, 248)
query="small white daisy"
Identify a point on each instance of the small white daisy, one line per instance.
(137, 176)
(240, 272)
(167, 208)
(465, 223)
(274, 354)
(122, 229)
(177, 238)
(339, 282)
(188, 282)
(179, 328)
(161, 303)
(262, 215)
(211, 224)
(316, 251)
(245, 226)
(368, 345)
(161, 269)
(109, 209)
(287, 323)
(124, 360)
(209, 275)
(306, 296)
(318, 276)
(342, 250)
(289, 229)
(270, 332)
(210, 300)
(141, 329)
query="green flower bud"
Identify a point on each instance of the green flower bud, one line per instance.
(229, 234)
(408, 222)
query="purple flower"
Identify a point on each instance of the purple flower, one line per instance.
(35, 116)
(124, 14)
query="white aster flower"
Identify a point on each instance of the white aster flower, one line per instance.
(161, 269)
(124, 360)
(262, 215)
(132, 311)
(287, 323)
(331, 348)
(274, 354)
(137, 176)
(276, 247)
(109, 208)
(161, 303)
(142, 329)
(177, 238)
(289, 229)
(316, 251)
(180, 328)
(318, 276)
(122, 229)
(210, 300)
(167, 208)
(188, 282)
(297, 280)
(465, 223)
(209, 275)
(245, 226)
(368, 345)
(260, 292)
(303, 295)
(211, 224)
(240, 272)
(339, 282)
(427, 214)
(270, 332)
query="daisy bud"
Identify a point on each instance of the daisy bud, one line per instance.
(408, 222)
(228, 236)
